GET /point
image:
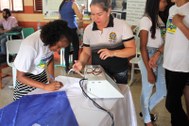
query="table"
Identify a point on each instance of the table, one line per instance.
(10, 34)
(87, 114)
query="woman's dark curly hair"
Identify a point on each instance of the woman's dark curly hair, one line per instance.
(54, 31)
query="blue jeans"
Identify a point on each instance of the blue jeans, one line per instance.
(3, 40)
(150, 99)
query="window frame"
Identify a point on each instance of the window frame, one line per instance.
(11, 6)
(35, 10)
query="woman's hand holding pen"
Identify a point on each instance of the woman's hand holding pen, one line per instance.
(52, 86)
(77, 66)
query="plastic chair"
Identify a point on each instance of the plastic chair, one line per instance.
(134, 61)
(62, 58)
(13, 47)
(26, 32)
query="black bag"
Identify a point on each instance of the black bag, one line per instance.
(16, 29)
(3, 59)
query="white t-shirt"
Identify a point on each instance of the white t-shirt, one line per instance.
(176, 49)
(33, 56)
(146, 24)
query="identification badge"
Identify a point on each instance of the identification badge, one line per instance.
(112, 37)
(171, 28)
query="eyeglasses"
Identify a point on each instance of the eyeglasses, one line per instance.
(95, 71)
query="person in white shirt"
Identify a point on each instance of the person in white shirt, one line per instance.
(151, 32)
(178, 21)
(35, 54)
(176, 60)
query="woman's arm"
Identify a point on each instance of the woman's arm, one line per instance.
(178, 21)
(83, 59)
(28, 81)
(50, 69)
(129, 50)
(78, 12)
(153, 60)
(144, 53)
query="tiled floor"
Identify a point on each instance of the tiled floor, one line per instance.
(163, 116)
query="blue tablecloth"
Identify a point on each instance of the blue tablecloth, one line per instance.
(51, 109)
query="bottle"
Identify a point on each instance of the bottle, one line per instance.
(38, 25)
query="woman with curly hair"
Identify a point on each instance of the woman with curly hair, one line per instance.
(35, 54)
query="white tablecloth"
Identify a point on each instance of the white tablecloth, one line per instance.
(88, 115)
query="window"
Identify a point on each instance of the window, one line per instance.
(13, 5)
(88, 5)
(37, 5)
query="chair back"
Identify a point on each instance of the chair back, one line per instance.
(134, 61)
(12, 47)
(137, 41)
(26, 32)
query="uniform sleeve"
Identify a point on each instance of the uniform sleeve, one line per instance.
(25, 58)
(145, 24)
(127, 32)
(86, 40)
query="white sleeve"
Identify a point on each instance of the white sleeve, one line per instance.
(127, 32)
(25, 58)
(145, 24)
(86, 39)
